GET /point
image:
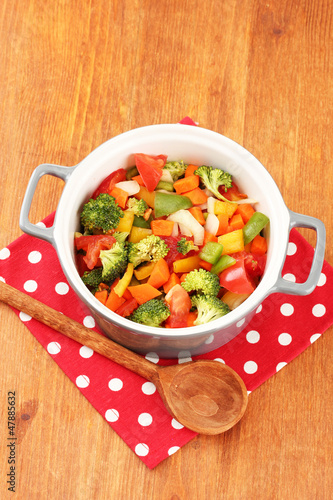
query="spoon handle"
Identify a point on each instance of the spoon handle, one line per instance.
(78, 332)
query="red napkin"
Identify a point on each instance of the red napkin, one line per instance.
(283, 326)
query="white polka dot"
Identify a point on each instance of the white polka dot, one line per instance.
(40, 224)
(184, 356)
(220, 360)
(145, 419)
(259, 309)
(289, 277)
(286, 309)
(24, 316)
(142, 449)
(115, 384)
(280, 365)
(318, 310)
(4, 253)
(250, 367)
(34, 257)
(53, 348)
(30, 286)
(86, 352)
(61, 288)
(285, 339)
(210, 339)
(322, 280)
(292, 248)
(253, 337)
(111, 415)
(176, 425)
(314, 337)
(148, 388)
(2, 279)
(89, 322)
(82, 381)
(240, 323)
(152, 356)
(173, 450)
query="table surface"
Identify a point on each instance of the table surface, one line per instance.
(76, 73)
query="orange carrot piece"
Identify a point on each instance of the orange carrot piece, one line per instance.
(121, 196)
(160, 274)
(162, 227)
(236, 222)
(186, 184)
(192, 316)
(190, 170)
(246, 211)
(172, 281)
(102, 296)
(259, 245)
(247, 247)
(209, 237)
(198, 215)
(114, 301)
(223, 224)
(138, 179)
(205, 265)
(143, 293)
(127, 294)
(197, 196)
(183, 277)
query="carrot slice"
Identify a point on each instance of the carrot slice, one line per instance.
(143, 293)
(138, 179)
(209, 237)
(223, 224)
(160, 274)
(102, 296)
(197, 196)
(190, 170)
(246, 211)
(259, 245)
(172, 281)
(186, 184)
(114, 301)
(205, 265)
(120, 195)
(162, 227)
(236, 222)
(198, 215)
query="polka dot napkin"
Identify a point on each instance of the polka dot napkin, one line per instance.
(282, 328)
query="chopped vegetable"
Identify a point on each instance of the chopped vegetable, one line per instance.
(186, 265)
(213, 179)
(185, 246)
(150, 249)
(186, 219)
(232, 242)
(176, 169)
(202, 281)
(151, 313)
(138, 207)
(166, 204)
(253, 226)
(143, 293)
(101, 214)
(211, 252)
(186, 184)
(209, 308)
(162, 227)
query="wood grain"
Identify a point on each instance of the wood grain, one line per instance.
(75, 73)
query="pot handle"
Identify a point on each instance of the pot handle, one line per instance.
(289, 287)
(45, 169)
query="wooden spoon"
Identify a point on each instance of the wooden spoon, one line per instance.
(205, 396)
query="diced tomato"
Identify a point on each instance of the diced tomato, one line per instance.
(254, 264)
(109, 182)
(232, 193)
(235, 278)
(93, 244)
(127, 307)
(150, 168)
(179, 303)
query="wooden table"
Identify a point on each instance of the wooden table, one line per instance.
(75, 73)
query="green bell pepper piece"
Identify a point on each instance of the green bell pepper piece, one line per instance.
(167, 186)
(166, 204)
(141, 222)
(211, 252)
(253, 227)
(223, 263)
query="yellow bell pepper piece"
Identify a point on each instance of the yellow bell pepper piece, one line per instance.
(138, 233)
(147, 196)
(186, 265)
(144, 271)
(232, 242)
(223, 207)
(126, 222)
(125, 280)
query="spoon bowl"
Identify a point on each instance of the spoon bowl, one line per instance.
(207, 397)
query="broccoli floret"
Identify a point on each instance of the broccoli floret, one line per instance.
(92, 278)
(120, 236)
(137, 206)
(151, 313)
(101, 214)
(213, 178)
(114, 261)
(176, 169)
(209, 308)
(149, 249)
(202, 281)
(184, 246)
